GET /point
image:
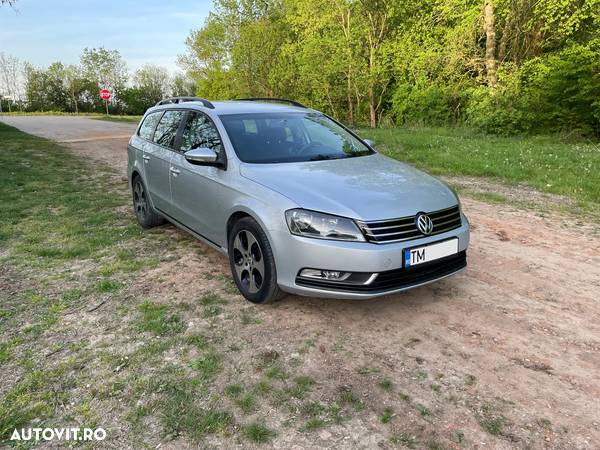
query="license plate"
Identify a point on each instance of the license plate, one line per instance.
(427, 253)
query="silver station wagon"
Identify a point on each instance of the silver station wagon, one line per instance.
(298, 202)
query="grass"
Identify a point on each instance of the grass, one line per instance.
(387, 415)
(423, 410)
(386, 384)
(97, 116)
(33, 397)
(156, 319)
(348, 397)
(491, 419)
(258, 432)
(68, 245)
(75, 254)
(404, 439)
(234, 390)
(41, 218)
(212, 304)
(246, 403)
(543, 162)
(314, 423)
(108, 286)
(435, 387)
(180, 413)
(127, 119)
(207, 366)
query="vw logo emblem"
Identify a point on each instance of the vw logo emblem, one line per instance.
(424, 223)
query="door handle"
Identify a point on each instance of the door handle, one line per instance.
(174, 171)
(146, 158)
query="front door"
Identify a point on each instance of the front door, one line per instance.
(197, 190)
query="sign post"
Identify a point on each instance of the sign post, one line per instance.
(105, 95)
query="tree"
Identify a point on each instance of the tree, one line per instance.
(56, 93)
(490, 42)
(35, 88)
(74, 84)
(151, 84)
(380, 19)
(183, 86)
(10, 82)
(207, 60)
(106, 69)
(155, 80)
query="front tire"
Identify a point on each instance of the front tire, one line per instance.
(252, 262)
(146, 216)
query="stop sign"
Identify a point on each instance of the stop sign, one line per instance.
(105, 94)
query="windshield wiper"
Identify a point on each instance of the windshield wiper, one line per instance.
(321, 157)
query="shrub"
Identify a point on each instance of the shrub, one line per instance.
(425, 103)
(559, 91)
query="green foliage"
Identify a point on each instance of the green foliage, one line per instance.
(559, 90)
(377, 61)
(32, 198)
(75, 88)
(258, 432)
(151, 84)
(156, 319)
(424, 104)
(182, 414)
(369, 62)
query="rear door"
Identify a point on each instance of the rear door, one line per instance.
(141, 142)
(157, 156)
(199, 191)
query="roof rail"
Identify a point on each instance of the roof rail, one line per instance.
(271, 99)
(186, 99)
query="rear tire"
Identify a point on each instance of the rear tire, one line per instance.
(252, 262)
(145, 213)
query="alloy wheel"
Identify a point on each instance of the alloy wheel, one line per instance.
(140, 203)
(248, 261)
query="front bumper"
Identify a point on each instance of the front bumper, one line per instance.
(294, 253)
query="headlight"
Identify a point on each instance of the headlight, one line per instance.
(322, 226)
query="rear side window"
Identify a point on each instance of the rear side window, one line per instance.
(166, 130)
(200, 131)
(148, 125)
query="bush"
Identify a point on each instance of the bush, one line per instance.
(559, 91)
(425, 103)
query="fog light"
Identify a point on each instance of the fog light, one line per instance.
(332, 275)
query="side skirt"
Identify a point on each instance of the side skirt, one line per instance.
(192, 232)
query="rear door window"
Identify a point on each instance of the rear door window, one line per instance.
(166, 130)
(149, 124)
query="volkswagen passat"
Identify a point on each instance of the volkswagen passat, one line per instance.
(298, 202)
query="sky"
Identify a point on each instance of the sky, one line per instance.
(144, 31)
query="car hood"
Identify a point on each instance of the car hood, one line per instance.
(371, 187)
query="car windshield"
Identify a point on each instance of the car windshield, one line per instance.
(290, 137)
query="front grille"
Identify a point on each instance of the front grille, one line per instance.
(397, 278)
(405, 228)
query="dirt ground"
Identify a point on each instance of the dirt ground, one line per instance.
(513, 341)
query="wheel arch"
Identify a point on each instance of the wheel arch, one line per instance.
(134, 174)
(240, 212)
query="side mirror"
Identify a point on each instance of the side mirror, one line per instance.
(201, 155)
(369, 142)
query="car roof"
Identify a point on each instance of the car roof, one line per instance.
(234, 107)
